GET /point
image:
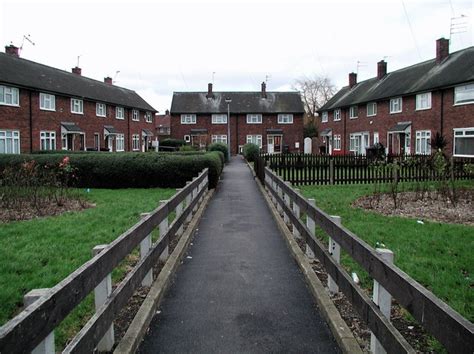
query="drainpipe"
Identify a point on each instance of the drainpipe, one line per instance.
(31, 124)
(442, 112)
(343, 112)
(128, 132)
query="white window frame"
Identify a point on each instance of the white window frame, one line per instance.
(423, 101)
(462, 133)
(423, 142)
(219, 119)
(222, 138)
(136, 142)
(47, 102)
(324, 117)
(337, 115)
(396, 105)
(285, 119)
(47, 140)
(119, 112)
(374, 109)
(468, 90)
(188, 119)
(119, 142)
(100, 109)
(254, 119)
(187, 138)
(136, 115)
(361, 137)
(13, 93)
(255, 139)
(12, 138)
(376, 138)
(148, 117)
(353, 112)
(77, 106)
(337, 142)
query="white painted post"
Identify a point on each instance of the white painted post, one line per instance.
(101, 293)
(189, 198)
(145, 246)
(47, 345)
(280, 196)
(311, 226)
(275, 189)
(163, 230)
(179, 211)
(296, 211)
(335, 251)
(382, 299)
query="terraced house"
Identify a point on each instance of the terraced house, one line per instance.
(44, 108)
(272, 120)
(404, 109)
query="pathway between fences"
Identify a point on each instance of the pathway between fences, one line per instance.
(239, 289)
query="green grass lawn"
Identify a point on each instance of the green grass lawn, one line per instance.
(439, 256)
(40, 253)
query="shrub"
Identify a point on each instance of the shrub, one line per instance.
(172, 142)
(250, 152)
(186, 148)
(219, 147)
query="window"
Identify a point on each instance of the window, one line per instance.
(76, 106)
(187, 138)
(219, 139)
(219, 118)
(100, 110)
(285, 119)
(353, 112)
(358, 142)
(464, 94)
(396, 105)
(136, 142)
(47, 102)
(371, 109)
(423, 142)
(337, 114)
(188, 119)
(337, 142)
(148, 118)
(9, 96)
(324, 117)
(9, 142)
(119, 113)
(135, 115)
(254, 119)
(423, 101)
(47, 140)
(376, 138)
(463, 142)
(119, 142)
(255, 139)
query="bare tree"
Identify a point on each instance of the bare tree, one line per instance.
(315, 92)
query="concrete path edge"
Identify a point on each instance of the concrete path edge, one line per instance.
(139, 326)
(343, 335)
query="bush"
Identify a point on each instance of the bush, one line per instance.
(129, 170)
(172, 143)
(186, 148)
(250, 152)
(220, 147)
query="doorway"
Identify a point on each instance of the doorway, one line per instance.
(274, 144)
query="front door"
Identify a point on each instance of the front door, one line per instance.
(274, 144)
(109, 143)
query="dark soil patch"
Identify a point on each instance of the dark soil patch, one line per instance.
(429, 206)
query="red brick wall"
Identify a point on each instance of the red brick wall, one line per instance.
(239, 128)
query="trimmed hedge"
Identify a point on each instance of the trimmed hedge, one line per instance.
(129, 170)
(219, 147)
(172, 142)
(250, 152)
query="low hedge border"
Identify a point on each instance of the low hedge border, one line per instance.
(129, 170)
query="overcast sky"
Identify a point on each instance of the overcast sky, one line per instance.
(157, 47)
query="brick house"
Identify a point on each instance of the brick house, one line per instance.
(272, 120)
(163, 125)
(404, 109)
(44, 108)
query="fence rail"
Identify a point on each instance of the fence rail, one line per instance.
(33, 325)
(321, 169)
(454, 331)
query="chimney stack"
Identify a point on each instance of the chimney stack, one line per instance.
(264, 90)
(381, 69)
(209, 91)
(167, 112)
(352, 80)
(77, 71)
(442, 49)
(108, 80)
(12, 50)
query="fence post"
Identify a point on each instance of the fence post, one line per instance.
(311, 226)
(286, 199)
(47, 345)
(296, 211)
(382, 299)
(145, 246)
(280, 197)
(195, 194)
(163, 230)
(189, 198)
(101, 293)
(275, 188)
(331, 171)
(179, 211)
(335, 251)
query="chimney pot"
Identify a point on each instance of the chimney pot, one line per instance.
(352, 79)
(167, 112)
(12, 50)
(442, 49)
(76, 70)
(209, 91)
(108, 80)
(381, 69)
(264, 90)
